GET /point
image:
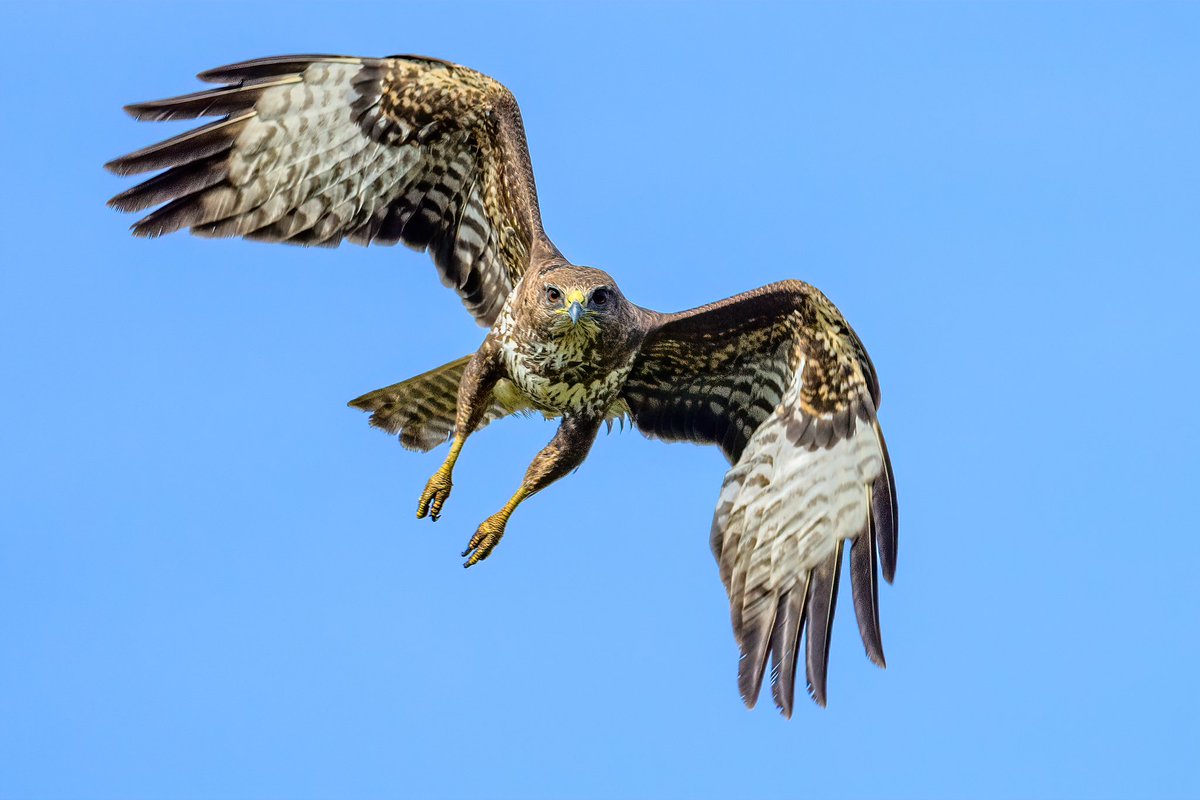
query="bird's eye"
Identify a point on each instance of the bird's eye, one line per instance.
(599, 297)
(553, 295)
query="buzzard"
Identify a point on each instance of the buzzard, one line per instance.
(314, 150)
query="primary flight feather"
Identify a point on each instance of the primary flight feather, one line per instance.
(314, 150)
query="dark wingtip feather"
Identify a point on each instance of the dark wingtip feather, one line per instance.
(198, 143)
(822, 603)
(176, 182)
(864, 586)
(745, 679)
(117, 166)
(753, 662)
(785, 647)
(148, 231)
(268, 67)
(180, 213)
(208, 103)
(885, 514)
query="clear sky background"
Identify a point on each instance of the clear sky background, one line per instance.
(211, 579)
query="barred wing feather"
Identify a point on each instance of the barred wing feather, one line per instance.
(312, 150)
(781, 383)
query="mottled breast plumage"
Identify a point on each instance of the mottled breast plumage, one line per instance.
(559, 375)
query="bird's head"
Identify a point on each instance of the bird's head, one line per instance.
(577, 303)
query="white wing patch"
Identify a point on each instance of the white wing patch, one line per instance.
(792, 504)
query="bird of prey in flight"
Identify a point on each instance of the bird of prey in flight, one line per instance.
(314, 150)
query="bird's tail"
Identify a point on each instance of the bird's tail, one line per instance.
(422, 409)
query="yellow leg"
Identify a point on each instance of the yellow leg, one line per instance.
(438, 487)
(492, 529)
(564, 453)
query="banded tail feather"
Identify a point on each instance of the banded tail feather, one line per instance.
(422, 409)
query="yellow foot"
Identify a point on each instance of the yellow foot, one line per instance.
(435, 494)
(485, 539)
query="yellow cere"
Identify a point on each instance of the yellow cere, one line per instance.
(574, 296)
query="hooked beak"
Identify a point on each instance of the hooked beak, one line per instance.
(575, 312)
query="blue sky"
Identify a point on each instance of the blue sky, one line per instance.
(211, 579)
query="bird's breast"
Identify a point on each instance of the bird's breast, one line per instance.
(557, 381)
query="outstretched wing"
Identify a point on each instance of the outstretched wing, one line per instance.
(316, 149)
(779, 380)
